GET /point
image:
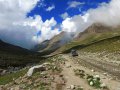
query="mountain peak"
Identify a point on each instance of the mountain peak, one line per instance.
(98, 28)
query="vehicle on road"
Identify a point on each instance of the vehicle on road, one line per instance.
(74, 53)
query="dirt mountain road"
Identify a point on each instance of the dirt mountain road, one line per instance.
(72, 63)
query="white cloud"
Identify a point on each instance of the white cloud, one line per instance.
(17, 29)
(50, 8)
(68, 25)
(64, 15)
(41, 4)
(47, 31)
(75, 24)
(74, 4)
(85, 17)
(107, 14)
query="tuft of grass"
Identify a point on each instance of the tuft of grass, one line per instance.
(96, 81)
(9, 77)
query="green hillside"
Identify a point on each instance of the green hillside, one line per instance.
(87, 38)
(107, 45)
(15, 56)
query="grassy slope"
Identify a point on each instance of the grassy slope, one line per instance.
(13, 55)
(89, 38)
(16, 60)
(108, 45)
(9, 77)
(53, 44)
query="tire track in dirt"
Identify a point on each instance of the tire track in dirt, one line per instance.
(102, 66)
(87, 66)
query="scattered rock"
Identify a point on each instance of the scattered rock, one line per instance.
(3, 72)
(68, 66)
(1, 87)
(105, 74)
(55, 67)
(15, 88)
(79, 88)
(68, 87)
(96, 76)
(92, 70)
(52, 78)
(22, 86)
(72, 87)
(60, 75)
(91, 83)
(37, 80)
(103, 85)
(103, 78)
(45, 76)
(63, 62)
(43, 73)
(30, 82)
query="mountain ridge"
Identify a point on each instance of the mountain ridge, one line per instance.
(93, 33)
(54, 43)
(11, 55)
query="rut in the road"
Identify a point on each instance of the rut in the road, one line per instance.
(71, 78)
(98, 65)
(87, 66)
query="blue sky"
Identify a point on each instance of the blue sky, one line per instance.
(51, 17)
(62, 6)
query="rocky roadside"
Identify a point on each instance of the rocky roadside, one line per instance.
(84, 71)
(46, 77)
(62, 72)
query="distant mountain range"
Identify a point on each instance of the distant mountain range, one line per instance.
(9, 48)
(63, 42)
(93, 33)
(49, 46)
(11, 55)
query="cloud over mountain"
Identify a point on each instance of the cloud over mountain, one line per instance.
(18, 29)
(107, 14)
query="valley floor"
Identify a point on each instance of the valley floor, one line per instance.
(71, 73)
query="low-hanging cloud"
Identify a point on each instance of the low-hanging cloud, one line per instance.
(106, 13)
(20, 30)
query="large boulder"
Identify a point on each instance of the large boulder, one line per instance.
(36, 69)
